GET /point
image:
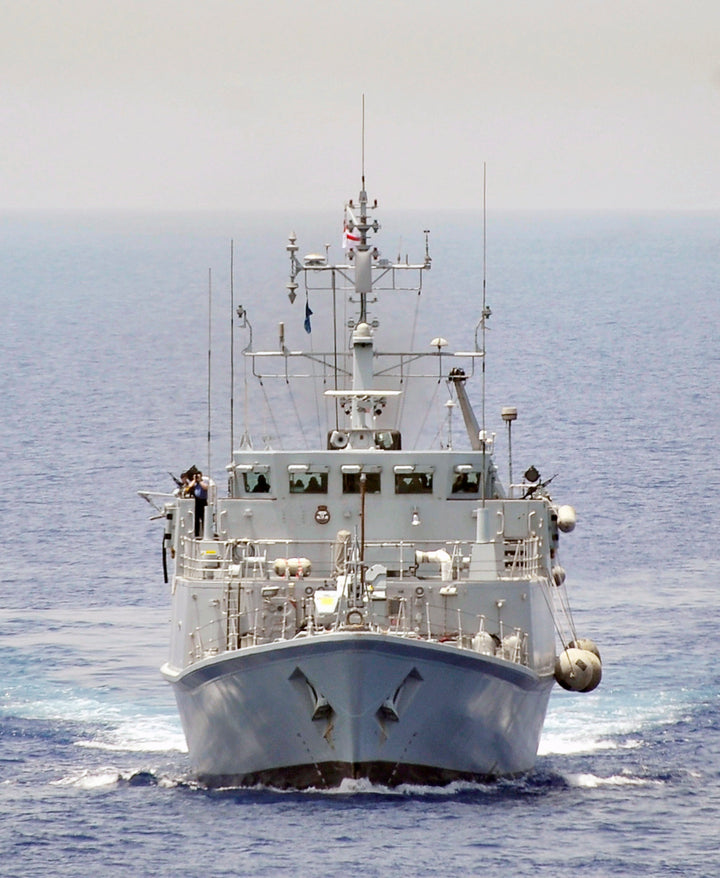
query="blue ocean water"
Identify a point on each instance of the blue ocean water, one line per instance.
(604, 334)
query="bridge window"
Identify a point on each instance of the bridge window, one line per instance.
(256, 483)
(414, 482)
(351, 483)
(308, 482)
(466, 482)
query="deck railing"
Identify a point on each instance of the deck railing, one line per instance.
(246, 620)
(259, 605)
(256, 559)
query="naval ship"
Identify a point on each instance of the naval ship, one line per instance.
(364, 609)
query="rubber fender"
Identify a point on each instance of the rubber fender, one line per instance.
(578, 670)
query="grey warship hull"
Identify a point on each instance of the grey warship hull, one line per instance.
(312, 712)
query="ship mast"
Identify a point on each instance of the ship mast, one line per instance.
(362, 338)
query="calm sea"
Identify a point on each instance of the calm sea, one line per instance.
(604, 335)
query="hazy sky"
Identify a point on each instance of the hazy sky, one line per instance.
(167, 104)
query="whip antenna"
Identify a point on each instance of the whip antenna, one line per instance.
(485, 315)
(232, 351)
(362, 156)
(209, 373)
